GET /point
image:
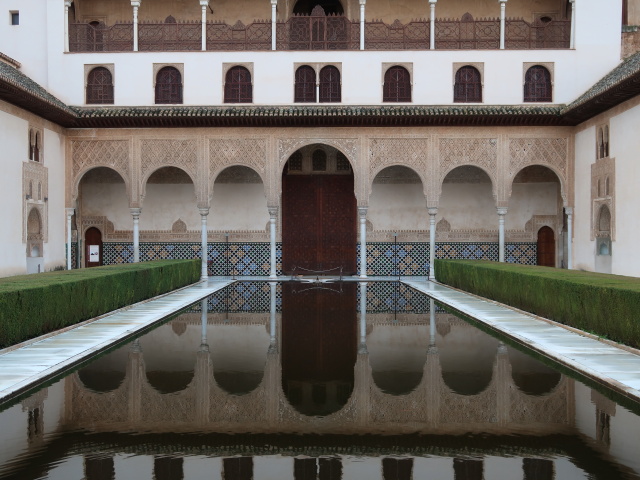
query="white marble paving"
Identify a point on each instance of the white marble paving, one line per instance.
(36, 361)
(615, 367)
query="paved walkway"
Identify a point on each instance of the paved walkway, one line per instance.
(35, 362)
(612, 366)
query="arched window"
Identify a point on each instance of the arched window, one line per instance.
(606, 141)
(32, 143)
(100, 86)
(468, 85)
(168, 86)
(36, 148)
(537, 85)
(600, 143)
(305, 89)
(237, 86)
(330, 84)
(397, 85)
(319, 161)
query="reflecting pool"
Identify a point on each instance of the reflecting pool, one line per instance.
(318, 380)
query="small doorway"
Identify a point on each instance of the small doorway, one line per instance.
(546, 247)
(92, 248)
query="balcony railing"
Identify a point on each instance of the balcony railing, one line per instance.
(321, 32)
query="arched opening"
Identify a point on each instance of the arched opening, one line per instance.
(603, 240)
(468, 85)
(319, 231)
(467, 204)
(536, 202)
(330, 7)
(397, 206)
(239, 209)
(106, 373)
(531, 376)
(318, 347)
(35, 242)
(467, 356)
(93, 247)
(397, 85)
(546, 247)
(168, 86)
(103, 202)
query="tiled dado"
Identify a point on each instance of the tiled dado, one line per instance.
(402, 258)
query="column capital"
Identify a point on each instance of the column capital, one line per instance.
(204, 3)
(432, 211)
(67, 3)
(502, 2)
(70, 211)
(362, 2)
(572, 1)
(135, 211)
(433, 2)
(273, 211)
(362, 211)
(136, 3)
(568, 210)
(501, 210)
(274, 2)
(204, 211)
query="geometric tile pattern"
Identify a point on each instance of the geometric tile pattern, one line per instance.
(385, 297)
(252, 258)
(245, 297)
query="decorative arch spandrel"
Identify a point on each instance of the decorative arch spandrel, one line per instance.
(179, 153)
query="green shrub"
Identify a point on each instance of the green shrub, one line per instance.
(32, 305)
(606, 305)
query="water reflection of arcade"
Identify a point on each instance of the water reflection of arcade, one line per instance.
(502, 405)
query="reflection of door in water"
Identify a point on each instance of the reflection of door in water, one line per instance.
(92, 247)
(546, 247)
(318, 223)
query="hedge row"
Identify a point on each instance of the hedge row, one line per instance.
(606, 305)
(32, 305)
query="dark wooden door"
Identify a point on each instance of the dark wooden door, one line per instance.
(92, 244)
(546, 247)
(319, 230)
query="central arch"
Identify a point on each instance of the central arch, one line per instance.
(319, 221)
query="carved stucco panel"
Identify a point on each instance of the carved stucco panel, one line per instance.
(226, 152)
(603, 183)
(549, 152)
(35, 185)
(180, 153)
(87, 154)
(409, 152)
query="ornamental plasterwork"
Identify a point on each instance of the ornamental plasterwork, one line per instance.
(408, 152)
(348, 146)
(181, 153)
(549, 152)
(35, 194)
(444, 232)
(478, 152)
(603, 181)
(248, 152)
(86, 154)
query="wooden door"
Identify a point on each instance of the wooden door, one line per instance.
(319, 230)
(92, 247)
(546, 247)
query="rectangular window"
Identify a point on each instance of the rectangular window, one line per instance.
(15, 18)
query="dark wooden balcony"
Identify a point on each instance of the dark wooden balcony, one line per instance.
(321, 32)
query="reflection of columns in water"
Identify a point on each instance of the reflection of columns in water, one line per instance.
(272, 316)
(432, 323)
(362, 348)
(136, 372)
(203, 321)
(502, 371)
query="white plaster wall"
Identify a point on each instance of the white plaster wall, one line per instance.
(625, 148)
(54, 153)
(468, 206)
(14, 141)
(238, 206)
(166, 203)
(398, 207)
(583, 247)
(109, 199)
(529, 199)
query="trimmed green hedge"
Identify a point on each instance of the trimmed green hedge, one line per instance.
(32, 305)
(606, 305)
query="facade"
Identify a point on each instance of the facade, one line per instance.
(353, 137)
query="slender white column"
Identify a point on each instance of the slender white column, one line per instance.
(432, 242)
(569, 211)
(363, 318)
(274, 20)
(273, 214)
(272, 315)
(67, 4)
(503, 4)
(362, 212)
(432, 322)
(362, 24)
(203, 5)
(203, 321)
(135, 4)
(502, 211)
(135, 212)
(70, 212)
(203, 239)
(432, 26)
(572, 41)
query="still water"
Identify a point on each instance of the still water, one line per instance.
(299, 381)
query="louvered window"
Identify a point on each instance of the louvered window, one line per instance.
(100, 86)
